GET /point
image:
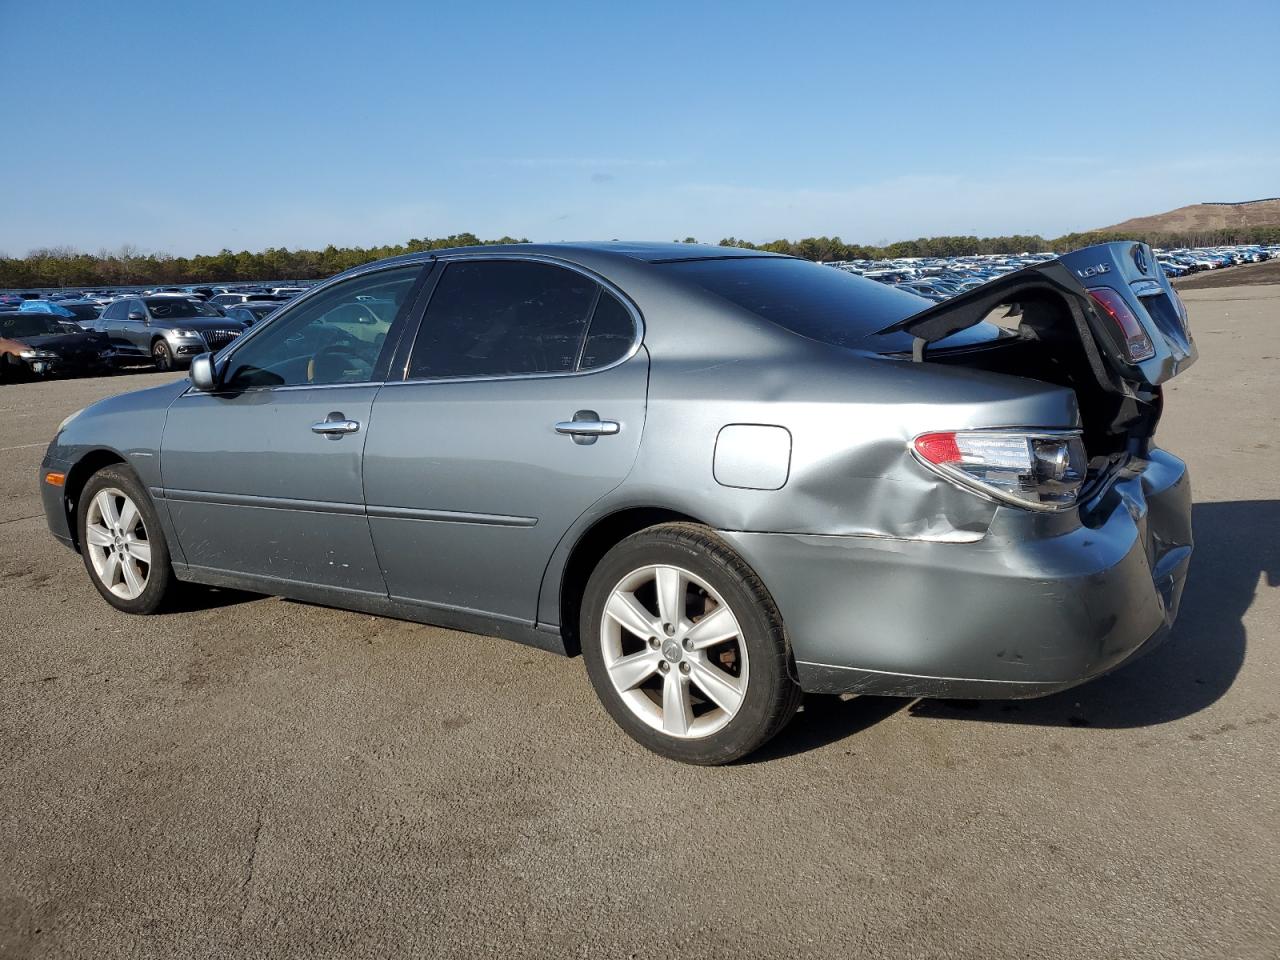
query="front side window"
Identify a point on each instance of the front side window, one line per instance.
(498, 318)
(335, 337)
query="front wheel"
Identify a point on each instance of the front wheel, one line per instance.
(685, 647)
(121, 541)
(162, 355)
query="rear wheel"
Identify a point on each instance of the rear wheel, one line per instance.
(162, 355)
(121, 542)
(685, 647)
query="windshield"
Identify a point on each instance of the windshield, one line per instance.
(30, 325)
(80, 311)
(822, 303)
(167, 308)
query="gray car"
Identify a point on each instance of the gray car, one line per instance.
(167, 329)
(724, 477)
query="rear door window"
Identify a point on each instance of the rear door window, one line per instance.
(501, 318)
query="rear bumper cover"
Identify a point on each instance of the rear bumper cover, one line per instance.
(1026, 611)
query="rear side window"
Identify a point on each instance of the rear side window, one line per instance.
(611, 333)
(509, 318)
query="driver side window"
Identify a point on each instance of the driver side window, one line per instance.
(333, 337)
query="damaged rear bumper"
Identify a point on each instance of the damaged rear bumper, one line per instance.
(1038, 605)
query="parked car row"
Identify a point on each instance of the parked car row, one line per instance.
(940, 278)
(76, 333)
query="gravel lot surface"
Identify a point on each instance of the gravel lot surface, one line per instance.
(256, 777)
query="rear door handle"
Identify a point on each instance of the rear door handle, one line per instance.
(335, 426)
(586, 426)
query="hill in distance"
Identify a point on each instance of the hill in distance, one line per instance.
(1201, 217)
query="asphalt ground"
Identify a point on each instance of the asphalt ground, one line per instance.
(256, 777)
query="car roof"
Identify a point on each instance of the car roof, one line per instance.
(621, 249)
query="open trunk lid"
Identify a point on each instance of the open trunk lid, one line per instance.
(1097, 285)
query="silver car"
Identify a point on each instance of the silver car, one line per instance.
(168, 329)
(725, 477)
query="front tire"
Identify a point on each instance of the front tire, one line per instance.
(121, 542)
(685, 647)
(162, 356)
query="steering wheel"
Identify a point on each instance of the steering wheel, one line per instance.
(330, 361)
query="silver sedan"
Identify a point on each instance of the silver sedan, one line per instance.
(724, 477)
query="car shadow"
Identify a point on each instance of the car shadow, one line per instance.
(824, 720)
(1235, 545)
(196, 596)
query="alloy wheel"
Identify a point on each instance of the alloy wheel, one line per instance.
(674, 652)
(118, 544)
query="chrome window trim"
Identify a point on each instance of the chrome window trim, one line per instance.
(191, 391)
(426, 262)
(637, 320)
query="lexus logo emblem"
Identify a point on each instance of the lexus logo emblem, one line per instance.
(1140, 259)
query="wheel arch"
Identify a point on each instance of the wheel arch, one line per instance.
(78, 476)
(590, 546)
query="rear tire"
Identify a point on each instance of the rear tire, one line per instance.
(685, 647)
(162, 355)
(121, 542)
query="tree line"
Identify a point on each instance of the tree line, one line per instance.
(128, 266)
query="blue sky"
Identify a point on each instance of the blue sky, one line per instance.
(187, 127)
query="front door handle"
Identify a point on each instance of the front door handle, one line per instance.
(335, 426)
(586, 426)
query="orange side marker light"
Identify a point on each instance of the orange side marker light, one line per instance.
(55, 479)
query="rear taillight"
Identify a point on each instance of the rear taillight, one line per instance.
(1137, 344)
(1043, 470)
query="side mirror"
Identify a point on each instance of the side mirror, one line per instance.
(203, 376)
(137, 315)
